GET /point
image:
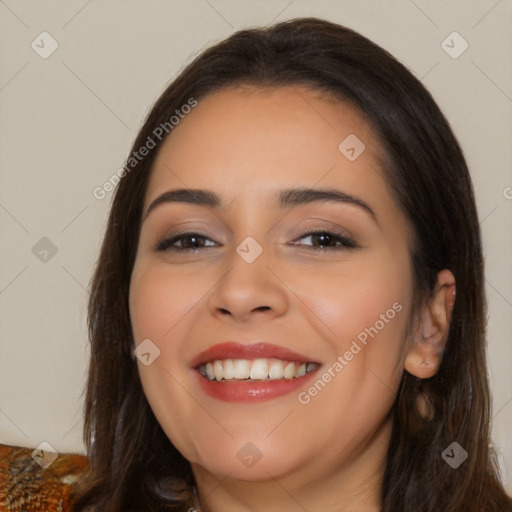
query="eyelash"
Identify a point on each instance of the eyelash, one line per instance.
(166, 244)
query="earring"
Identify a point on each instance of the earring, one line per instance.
(423, 404)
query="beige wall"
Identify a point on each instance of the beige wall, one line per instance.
(67, 122)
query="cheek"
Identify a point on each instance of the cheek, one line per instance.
(159, 303)
(364, 312)
(366, 292)
(160, 300)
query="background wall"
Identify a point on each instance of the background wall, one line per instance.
(76, 80)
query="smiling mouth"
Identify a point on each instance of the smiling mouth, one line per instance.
(261, 369)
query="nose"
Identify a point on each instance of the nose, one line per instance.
(248, 291)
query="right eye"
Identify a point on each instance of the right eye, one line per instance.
(190, 242)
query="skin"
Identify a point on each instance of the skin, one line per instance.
(245, 143)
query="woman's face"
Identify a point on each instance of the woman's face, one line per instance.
(253, 293)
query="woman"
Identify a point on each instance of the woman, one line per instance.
(288, 311)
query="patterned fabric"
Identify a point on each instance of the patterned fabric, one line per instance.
(26, 486)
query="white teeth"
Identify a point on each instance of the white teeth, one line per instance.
(257, 369)
(310, 367)
(276, 370)
(301, 370)
(217, 370)
(209, 371)
(242, 370)
(289, 371)
(229, 369)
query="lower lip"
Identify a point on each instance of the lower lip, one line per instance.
(252, 391)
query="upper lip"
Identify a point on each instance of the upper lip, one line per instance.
(235, 350)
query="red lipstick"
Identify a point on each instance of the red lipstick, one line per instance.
(249, 390)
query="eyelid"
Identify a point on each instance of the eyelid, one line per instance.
(168, 240)
(347, 242)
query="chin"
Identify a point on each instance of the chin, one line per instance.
(267, 467)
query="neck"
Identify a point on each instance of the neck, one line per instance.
(327, 484)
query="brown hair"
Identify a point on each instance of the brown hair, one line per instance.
(134, 466)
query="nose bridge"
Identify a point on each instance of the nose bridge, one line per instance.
(250, 250)
(248, 272)
(249, 284)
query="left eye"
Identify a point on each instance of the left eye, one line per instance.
(328, 239)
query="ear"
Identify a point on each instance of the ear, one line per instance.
(432, 326)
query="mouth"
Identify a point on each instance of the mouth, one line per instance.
(251, 373)
(255, 370)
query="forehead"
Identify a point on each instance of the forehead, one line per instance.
(248, 139)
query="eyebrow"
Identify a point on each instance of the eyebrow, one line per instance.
(285, 198)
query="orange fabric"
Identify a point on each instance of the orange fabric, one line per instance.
(25, 486)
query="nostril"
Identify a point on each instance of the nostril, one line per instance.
(262, 308)
(225, 311)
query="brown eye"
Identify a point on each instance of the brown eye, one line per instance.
(190, 242)
(327, 239)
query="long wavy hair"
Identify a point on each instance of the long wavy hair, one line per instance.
(133, 465)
